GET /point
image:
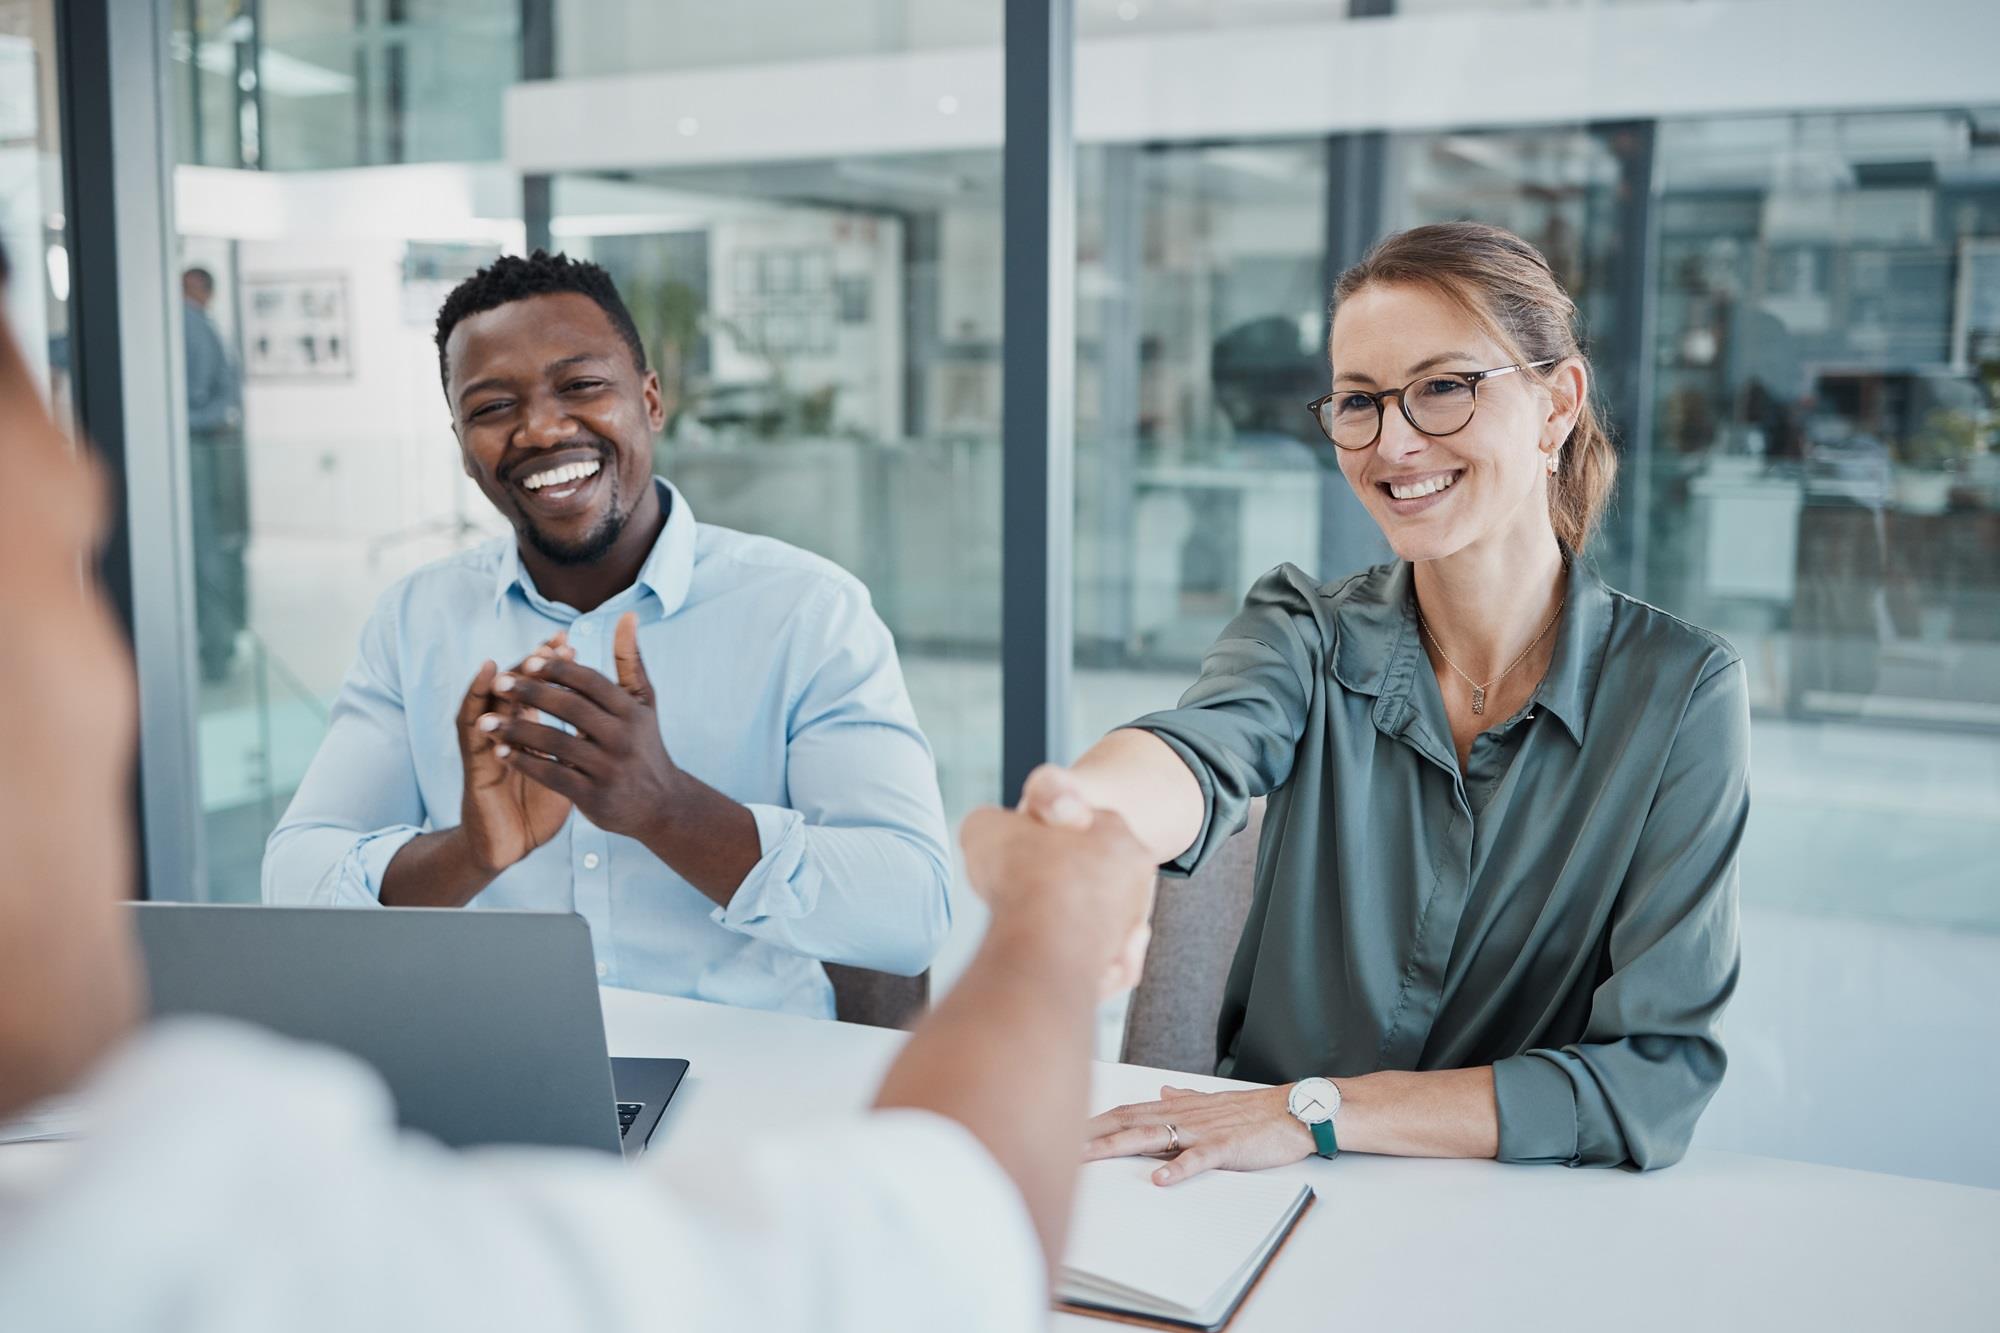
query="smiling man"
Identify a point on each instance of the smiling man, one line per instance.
(702, 742)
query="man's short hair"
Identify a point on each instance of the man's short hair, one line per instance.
(511, 278)
(201, 275)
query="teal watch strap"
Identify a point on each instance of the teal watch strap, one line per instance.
(1323, 1139)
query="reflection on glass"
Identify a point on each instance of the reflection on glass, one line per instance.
(1828, 483)
(1201, 334)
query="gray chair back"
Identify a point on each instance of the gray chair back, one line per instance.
(1197, 922)
(879, 999)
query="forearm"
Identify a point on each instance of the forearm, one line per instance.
(706, 838)
(1026, 1004)
(1437, 1113)
(1138, 776)
(435, 870)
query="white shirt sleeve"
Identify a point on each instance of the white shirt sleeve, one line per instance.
(236, 1182)
(890, 1221)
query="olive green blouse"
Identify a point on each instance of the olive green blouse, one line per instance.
(1564, 909)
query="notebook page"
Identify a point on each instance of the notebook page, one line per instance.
(1181, 1244)
(57, 1118)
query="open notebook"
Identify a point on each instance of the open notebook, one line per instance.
(1184, 1255)
(57, 1118)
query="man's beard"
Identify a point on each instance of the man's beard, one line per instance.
(589, 548)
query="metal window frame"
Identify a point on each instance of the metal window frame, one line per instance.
(117, 170)
(538, 61)
(1632, 383)
(1038, 388)
(1357, 168)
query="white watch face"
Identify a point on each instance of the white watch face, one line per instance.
(1313, 1100)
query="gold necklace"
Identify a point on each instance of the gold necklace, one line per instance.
(1478, 690)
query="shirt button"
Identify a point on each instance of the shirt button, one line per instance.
(604, 969)
(590, 860)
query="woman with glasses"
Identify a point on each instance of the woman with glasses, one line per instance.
(1495, 905)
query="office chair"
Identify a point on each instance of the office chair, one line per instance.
(879, 999)
(1170, 1023)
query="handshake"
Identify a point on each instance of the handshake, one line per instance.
(1065, 875)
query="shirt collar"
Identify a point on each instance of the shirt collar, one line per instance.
(1377, 650)
(1373, 628)
(668, 570)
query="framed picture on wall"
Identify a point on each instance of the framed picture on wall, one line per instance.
(1975, 325)
(431, 269)
(296, 326)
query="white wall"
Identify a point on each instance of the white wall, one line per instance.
(363, 457)
(370, 456)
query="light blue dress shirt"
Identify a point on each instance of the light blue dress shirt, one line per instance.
(777, 685)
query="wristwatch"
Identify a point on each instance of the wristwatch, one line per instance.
(1314, 1103)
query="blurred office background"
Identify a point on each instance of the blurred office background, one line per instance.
(1780, 218)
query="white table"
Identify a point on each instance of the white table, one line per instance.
(1721, 1241)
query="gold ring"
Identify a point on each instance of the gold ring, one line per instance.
(1173, 1139)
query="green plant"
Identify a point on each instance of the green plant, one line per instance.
(670, 316)
(1946, 438)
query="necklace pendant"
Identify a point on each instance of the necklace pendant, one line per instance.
(1478, 700)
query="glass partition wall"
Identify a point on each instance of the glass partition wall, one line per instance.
(827, 333)
(1791, 291)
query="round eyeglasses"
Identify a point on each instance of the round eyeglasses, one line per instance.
(1436, 405)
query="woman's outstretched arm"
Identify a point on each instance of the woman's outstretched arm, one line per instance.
(1134, 774)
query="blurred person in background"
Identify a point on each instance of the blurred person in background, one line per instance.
(218, 479)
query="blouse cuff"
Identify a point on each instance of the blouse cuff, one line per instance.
(1190, 860)
(1537, 1105)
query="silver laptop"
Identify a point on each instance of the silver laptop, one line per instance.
(485, 1025)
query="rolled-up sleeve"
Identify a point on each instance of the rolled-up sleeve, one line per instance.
(853, 867)
(359, 803)
(1237, 728)
(1652, 1056)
